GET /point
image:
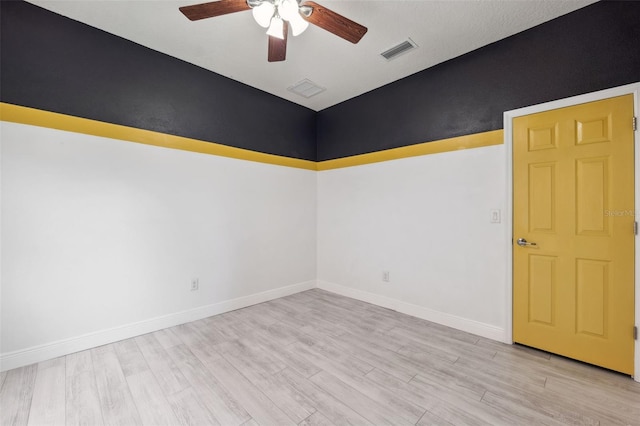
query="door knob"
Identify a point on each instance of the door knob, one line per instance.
(524, 243)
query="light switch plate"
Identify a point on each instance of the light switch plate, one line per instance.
(495, 216)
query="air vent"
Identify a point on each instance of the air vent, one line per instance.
(399, 49)
(306, 88)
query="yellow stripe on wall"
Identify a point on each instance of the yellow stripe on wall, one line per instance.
(53, 120)
(476, 140)
(35, 117)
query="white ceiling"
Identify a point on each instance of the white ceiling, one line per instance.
(235, 46)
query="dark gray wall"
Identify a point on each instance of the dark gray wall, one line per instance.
(593, 48)
(57, 64)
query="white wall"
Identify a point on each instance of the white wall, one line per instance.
(101, 235)
(101, 238)
(426, 220)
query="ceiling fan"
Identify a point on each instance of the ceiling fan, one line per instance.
(277, 16)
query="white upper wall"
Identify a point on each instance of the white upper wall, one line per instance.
(100, 233)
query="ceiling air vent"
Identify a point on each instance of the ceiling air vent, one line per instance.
(399, 49)
(306, 88)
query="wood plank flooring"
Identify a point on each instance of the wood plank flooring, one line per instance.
(315, 358)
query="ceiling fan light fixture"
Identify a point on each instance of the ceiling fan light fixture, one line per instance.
(289, 11)
(263, 13)
(276, 29)
(298, 25)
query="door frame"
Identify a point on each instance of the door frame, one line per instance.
(633, 89)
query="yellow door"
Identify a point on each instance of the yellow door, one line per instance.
(573, 203)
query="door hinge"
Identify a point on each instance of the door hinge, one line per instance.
(635, 332)
(635, 228)
(635, 123)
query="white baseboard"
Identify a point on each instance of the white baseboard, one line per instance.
(51, 350)
(453, 321)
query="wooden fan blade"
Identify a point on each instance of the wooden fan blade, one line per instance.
(334, 23)
(278, 46)
(214, 8)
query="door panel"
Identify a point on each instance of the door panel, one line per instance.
(542, 182)
(592, 285)
(542, 285)
(573, 174)
(592, 198)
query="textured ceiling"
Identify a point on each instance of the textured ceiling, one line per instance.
(235, 46)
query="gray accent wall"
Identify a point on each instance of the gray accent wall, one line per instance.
(593, 48)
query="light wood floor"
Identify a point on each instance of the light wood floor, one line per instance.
(315, 358)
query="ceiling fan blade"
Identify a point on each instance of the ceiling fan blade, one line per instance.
(278, 46)
(214, 8)
(334, 23)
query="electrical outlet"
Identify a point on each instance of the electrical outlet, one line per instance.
(385, 276)
(195, 284)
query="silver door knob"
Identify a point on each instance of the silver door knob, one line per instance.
(524, 243)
